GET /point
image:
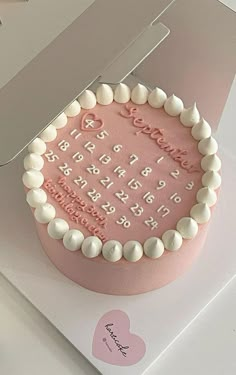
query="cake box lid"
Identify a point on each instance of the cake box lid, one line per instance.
(43, 69)
(33, 93)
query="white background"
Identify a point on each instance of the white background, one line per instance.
(31, 345)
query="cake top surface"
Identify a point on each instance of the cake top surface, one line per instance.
(130, 169)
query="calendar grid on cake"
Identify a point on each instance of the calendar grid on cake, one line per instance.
(122, 186)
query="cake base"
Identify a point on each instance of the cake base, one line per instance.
(122, 277)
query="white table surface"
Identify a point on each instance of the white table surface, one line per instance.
(30, 345)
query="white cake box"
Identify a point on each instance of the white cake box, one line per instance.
(197, 61)
(158, 317)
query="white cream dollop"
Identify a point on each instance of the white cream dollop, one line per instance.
(172, 240)
(122, 93)
(139, 94)
(206, 195)
(201, 213)
(201, 130)
(87, 99)
(157, 98)
(104, 94)
(33, 179)
(60, 122)
(112, 251)
(187, 227)
(91, 247)
(33, 161)
(37, 146)
(49, 134)
(73, 239)
(173, 106)
(211, 179)
(73, 109)
(36, 197)
(208, 146)
(211, 163)
(57, 228)
(44, 213)
(133, 251)
(153, 247)
(190, 116)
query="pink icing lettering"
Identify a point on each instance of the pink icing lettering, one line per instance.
(131, 112)
(95, 213)
(96, 231)
(52, 190)
(91, 228)
(179, 158)
(154, 133)
(67, 188)
(77, 213)
(74, 214)
(90, 209)
(59, 196)
(47, 184)
(146, 130)
(61, 180)
(138, 122)
(84, 221)
(103, 238)
(75, 219)
(72, 194)
(160, 141)
(194, 168)
(90, 122)
(103, 223)
(185, 164)
(176, 152)
(68, 206)
(168, 148)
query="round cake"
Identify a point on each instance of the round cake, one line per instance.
(122, 186)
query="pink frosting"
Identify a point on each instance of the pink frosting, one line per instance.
(148, 133)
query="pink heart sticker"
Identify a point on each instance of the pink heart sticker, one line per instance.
(90, 122)
(114, 344)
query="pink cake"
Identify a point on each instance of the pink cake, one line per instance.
(122, 186)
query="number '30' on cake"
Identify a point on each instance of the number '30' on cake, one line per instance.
(122, 186)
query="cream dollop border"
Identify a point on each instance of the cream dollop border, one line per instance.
(113, 250)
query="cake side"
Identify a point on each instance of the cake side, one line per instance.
(122, 277)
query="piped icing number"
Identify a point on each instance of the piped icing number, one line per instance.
(63, 145)
(75, 134)
(65, 169)
(122, 196)
(106, 182)
(79, 181)
(78, 157)
(161, 184)
(108, 208)
(163, 210)
(51, 157)
(133, 159)
(175, 174)
(102, 135)
(151, 223)
(124, 222)
(146, 171)
(137, 209)
(108, 178)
